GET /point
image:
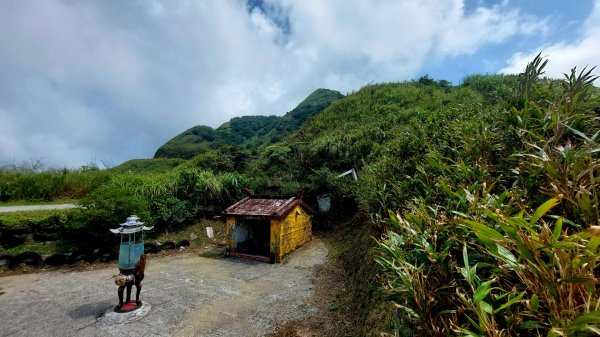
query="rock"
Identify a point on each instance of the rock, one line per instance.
(210, 233)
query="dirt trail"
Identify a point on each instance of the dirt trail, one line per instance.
(6, 209)
(189, 296)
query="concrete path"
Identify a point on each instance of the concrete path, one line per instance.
(186, 295)
(5, 209)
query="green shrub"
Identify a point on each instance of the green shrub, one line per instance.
(168, 210)
(49, 185)
(105, 208)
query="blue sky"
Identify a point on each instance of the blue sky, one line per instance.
(107, 80)
(563, 20)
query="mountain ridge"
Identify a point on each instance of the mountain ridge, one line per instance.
(250, 131)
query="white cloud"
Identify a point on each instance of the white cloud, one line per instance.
(562, 56)
(103, 80)
(391, 40)
(464, 34)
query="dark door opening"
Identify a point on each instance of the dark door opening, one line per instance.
(252, 237)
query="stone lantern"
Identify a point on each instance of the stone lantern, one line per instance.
(132, 262)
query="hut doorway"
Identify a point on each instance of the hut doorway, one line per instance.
(252, 237)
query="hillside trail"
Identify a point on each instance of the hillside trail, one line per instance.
(183, 295)
(7, 209)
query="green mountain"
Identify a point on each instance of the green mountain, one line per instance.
(149, 165)
(249, 131)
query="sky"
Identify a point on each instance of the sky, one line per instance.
(101, 82)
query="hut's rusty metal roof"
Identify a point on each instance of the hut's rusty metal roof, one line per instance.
(264, 207)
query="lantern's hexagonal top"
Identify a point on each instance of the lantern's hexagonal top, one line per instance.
(132, 220)
(131, 225)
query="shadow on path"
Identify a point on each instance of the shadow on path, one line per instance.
(91, 309)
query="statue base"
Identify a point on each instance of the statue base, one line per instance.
(111, 318)
(128, 307)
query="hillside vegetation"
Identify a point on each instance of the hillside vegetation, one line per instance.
(149, 165)
(483, 198)
(476, 204)
(247, 131)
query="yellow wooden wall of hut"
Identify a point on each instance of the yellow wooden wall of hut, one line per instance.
(291, 232)
(287, 234)
(229, 223)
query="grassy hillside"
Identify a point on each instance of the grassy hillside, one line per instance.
(247, 131)
(379, 124)
(482, 197)
(148, 165)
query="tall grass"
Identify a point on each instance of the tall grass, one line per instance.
(498, 235)
(49, 185)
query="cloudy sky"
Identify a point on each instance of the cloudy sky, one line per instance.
(106, 81)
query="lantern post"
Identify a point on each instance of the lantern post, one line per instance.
(132, 262)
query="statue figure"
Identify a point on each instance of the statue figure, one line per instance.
(132, 262)
(127, 279)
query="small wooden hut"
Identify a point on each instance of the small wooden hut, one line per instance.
(267, 228)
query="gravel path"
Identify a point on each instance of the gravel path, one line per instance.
(185, 295)
(5, 209)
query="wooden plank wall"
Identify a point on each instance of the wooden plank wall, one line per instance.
(295, 230)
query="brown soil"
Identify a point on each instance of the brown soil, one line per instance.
(328, 320)
(346, 287)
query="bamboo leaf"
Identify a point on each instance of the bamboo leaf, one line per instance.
(543, 209)
(567, 221)
(589, 318)
(594, 243)
(408, 311)
(594, 330)
(557, 229)
(507, 256)
(510, 231)
(482, 291)
(468, 273)
(486, 307)
(531, 325)
(474, 323)
(510, 302)
(579, 133)
(555, 333)
(483, 232)
(585, 204)
(468, 333)
(534, 302)
(524, 251)
(577, 279)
